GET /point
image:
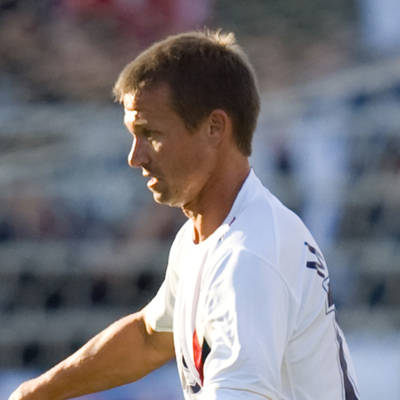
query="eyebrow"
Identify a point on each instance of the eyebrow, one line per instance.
(130, 117)
(140, 122)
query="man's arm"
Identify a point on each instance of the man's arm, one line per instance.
(122, 353)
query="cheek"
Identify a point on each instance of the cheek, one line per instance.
(157, 146)
(186, 160)
(196, 167)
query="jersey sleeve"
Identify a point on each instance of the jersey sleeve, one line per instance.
(160, 311)
(246, 326)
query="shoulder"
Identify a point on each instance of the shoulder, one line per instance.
(265, 237)
(266, 228)
(181, 237)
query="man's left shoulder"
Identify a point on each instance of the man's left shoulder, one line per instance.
(267, 229)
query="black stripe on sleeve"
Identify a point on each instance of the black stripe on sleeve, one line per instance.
(349, 389)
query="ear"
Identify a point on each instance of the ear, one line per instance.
(218, 123)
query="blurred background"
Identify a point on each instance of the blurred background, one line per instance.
(81, 241)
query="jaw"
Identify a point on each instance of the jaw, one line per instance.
(166, 197)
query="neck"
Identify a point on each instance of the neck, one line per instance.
(213, 204)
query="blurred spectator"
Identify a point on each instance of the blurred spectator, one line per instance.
(29, 214)
(74, 49)
(319, 151)
(144, 20)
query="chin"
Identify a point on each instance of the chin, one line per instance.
(162, 198)
(168, 201)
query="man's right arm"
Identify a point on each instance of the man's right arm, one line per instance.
(124, 352)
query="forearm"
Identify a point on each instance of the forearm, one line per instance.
(122, 353)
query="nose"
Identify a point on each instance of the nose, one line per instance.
(137, 155)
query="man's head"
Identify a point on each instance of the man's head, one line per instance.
(204, 71)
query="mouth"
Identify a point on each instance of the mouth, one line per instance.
(152, 182)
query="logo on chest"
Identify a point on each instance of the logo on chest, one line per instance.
(200, 353)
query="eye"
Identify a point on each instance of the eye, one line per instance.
(151, 134)
(148, 133)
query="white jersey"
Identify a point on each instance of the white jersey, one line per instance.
(250, 309)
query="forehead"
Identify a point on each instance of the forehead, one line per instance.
(149, 106)
(131, 113)
(148, 101)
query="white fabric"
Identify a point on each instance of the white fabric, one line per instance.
(248, 292)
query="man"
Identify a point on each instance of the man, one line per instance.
(245, 304)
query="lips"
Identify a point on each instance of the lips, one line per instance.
(152, 182)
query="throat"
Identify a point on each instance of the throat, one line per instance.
(210, 210)
(205, 224)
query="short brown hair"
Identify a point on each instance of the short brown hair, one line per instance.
(204, 71)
